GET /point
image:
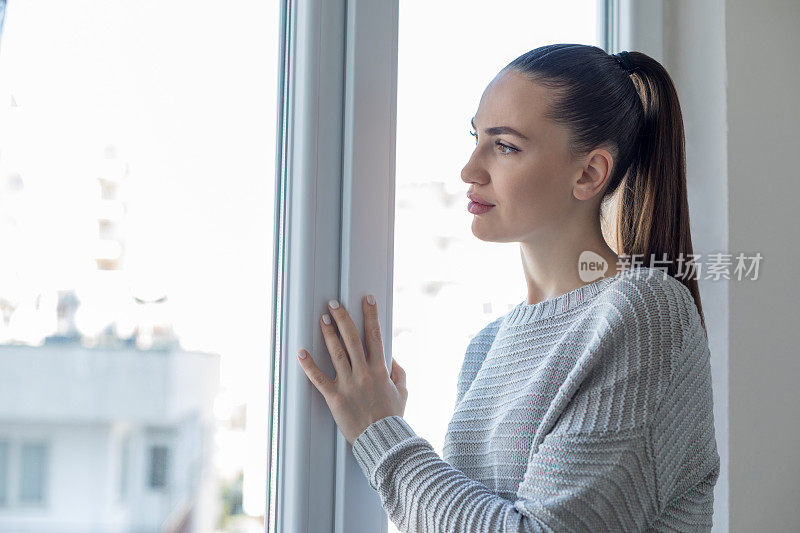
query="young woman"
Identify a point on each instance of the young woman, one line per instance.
(587, 407)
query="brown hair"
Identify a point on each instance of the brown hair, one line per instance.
(639, 117)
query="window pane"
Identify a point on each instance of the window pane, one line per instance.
(137, 145)
(158, 466)
(3, 472)
(456, 47)
(33, 472)
(124, 461)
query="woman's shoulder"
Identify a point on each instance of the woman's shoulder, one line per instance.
(645, 336)
(475, 354)
(649, 316)
(489, 330)
(644, 296)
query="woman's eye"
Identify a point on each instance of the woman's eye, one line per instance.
(510, 149)
(504, 148)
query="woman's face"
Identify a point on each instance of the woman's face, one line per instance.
(530, 180)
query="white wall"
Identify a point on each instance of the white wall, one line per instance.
(694, 55)
(75, 477)
(82, 478)
(736, 70)
(97, 385)
(762, 44)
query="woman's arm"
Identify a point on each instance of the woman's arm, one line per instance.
(599, 482)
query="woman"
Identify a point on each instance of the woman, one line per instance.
(587, 407)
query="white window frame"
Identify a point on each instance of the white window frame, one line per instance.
(334, 232)
(333, 239)
(632, 25)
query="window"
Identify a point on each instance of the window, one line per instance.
(3, 473)
(136, 181)
(33, 473)
(159, 457)
(124, 465)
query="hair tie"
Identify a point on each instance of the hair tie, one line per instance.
(625, 62)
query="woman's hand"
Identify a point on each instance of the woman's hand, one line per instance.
(363, 391)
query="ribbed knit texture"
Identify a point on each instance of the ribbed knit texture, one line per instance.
(591, 411)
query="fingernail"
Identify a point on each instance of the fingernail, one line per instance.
(326, 318)
(301, 354)
(334, 304)
(370, 299)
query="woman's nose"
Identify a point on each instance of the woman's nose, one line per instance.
(472, 171)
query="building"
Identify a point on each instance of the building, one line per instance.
(106, 438)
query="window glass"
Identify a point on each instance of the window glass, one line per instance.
(32, 472)
(159, 455)
(3, 472)
(124, 461)
(137, 145)
(448, 52)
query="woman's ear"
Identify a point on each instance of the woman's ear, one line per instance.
(595, 174)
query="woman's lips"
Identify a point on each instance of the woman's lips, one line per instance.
(477, 199)
(478, 209)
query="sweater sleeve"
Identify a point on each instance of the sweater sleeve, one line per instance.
(598, 482)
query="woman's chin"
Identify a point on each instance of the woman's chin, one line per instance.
(484, 232)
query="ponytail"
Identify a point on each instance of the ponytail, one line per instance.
(652, 219)
(630, 104)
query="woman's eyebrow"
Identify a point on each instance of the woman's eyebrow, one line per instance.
(497, 130)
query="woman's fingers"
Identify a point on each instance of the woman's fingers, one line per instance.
(363, 394)
(398, 375)
(350, 335)
(339, 357)
(372, 332)
(323, 383)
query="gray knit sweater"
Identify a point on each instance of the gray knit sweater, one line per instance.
(591, 411)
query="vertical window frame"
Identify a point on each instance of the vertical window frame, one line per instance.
(334, 207)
